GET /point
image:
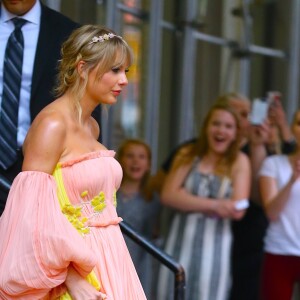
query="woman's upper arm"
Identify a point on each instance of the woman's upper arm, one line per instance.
(241, 178)
(175, 178)
(267, 180)
(44, 143)
(268, 188)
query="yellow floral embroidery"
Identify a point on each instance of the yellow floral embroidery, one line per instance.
(115, 198)
(83, 194)
(64, 202)
(73, 214)
(98, 202)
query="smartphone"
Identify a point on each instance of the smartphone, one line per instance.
(259, 111)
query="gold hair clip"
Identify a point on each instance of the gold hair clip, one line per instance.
(103, 38)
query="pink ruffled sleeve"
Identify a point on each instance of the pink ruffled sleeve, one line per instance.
(37, 241)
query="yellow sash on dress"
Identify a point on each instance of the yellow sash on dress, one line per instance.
(64, 201)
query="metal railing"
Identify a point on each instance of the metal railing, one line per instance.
(163, 257)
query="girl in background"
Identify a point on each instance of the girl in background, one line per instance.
(204, 185)
(138, 206)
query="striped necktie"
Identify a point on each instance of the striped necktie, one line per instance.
(12, 75)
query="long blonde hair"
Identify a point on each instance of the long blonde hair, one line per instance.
(201, 147)
(113, 52)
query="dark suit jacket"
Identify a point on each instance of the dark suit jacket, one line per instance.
(54, 30)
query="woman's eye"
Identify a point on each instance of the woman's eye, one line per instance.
(115, 70)
(229, 125)
(126, 70)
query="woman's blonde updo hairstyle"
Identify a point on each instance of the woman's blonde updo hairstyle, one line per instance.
(113, 52)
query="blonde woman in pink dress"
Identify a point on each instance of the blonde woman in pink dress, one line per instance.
(60, 235)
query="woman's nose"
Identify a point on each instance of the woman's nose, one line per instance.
(123, 79)
(221, 129)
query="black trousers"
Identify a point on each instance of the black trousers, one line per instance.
(248, 253)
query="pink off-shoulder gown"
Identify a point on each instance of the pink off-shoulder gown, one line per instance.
(51, 222)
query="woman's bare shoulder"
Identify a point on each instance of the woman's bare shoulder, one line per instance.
(49, 123)
(242, 157)
(44, 143)
(242, 161)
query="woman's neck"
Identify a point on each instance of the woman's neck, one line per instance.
(209, 162)
(87, 107)
(213, 157)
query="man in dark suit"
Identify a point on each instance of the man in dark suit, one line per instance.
(44, 32)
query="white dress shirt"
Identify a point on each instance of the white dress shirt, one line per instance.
(30, 32)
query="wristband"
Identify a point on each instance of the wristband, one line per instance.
(241, 204)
